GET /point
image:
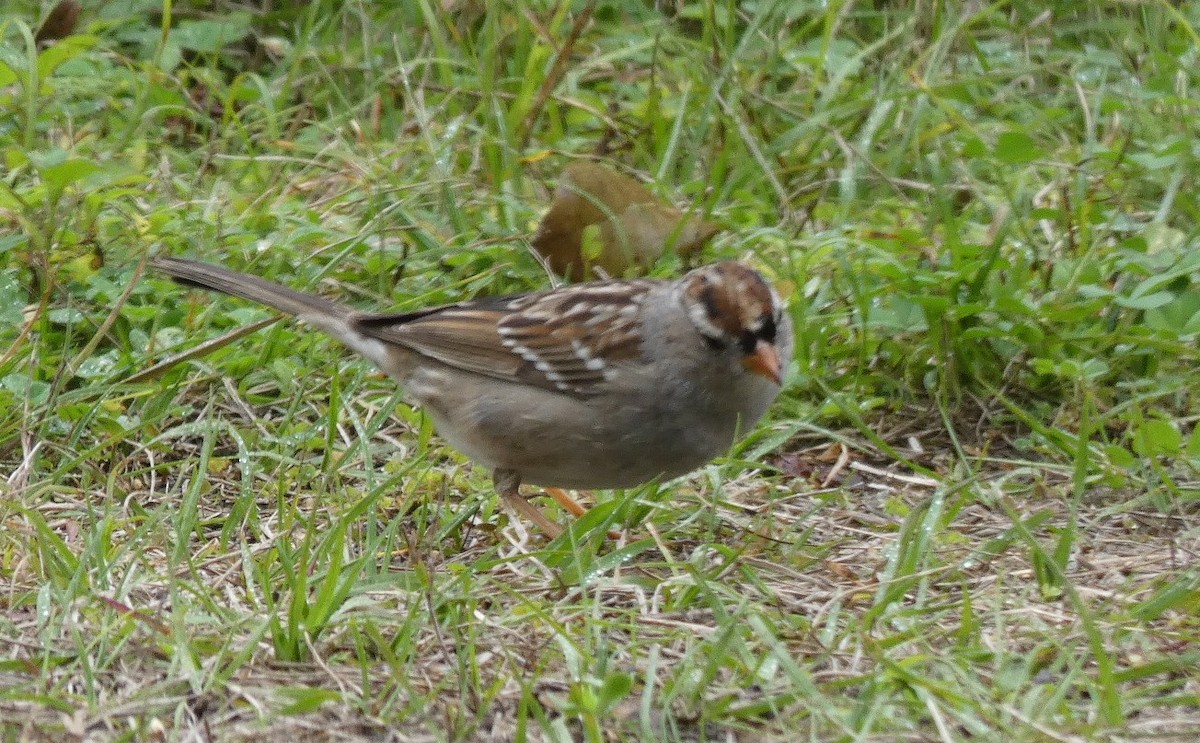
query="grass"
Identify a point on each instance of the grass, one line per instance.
(971, 515)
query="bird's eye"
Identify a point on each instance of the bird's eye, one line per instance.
(768, 330)
(748, 342)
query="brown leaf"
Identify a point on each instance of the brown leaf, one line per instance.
(635, 227)
(60, 23)
(841, 570)
(795, 464)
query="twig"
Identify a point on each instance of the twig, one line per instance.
(556, 74)
(200, 350)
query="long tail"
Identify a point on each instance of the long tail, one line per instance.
(332, 317)
(207, 276)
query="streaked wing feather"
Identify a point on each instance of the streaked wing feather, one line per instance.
(465, 340)
(562, 340)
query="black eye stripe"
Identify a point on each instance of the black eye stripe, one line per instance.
(708, 296)
(768, 330)
(748, 342)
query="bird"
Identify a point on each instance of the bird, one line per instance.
(591, 386)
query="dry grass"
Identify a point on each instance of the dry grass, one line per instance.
(972, 514)
(780, 601)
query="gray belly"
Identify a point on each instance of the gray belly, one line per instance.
(557, 440)
(600, 449)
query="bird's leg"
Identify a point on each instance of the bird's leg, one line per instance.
(508, 485)
(566, 501)
(573, 507)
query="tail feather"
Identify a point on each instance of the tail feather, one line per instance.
(309, 307)
(323, 314)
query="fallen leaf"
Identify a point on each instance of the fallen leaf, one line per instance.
(60, 23)
(634, 227)
(795, 464)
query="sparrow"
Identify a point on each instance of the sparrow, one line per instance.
(598, 385)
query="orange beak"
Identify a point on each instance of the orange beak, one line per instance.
(764, 361)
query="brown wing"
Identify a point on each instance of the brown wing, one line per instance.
(565, 339)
